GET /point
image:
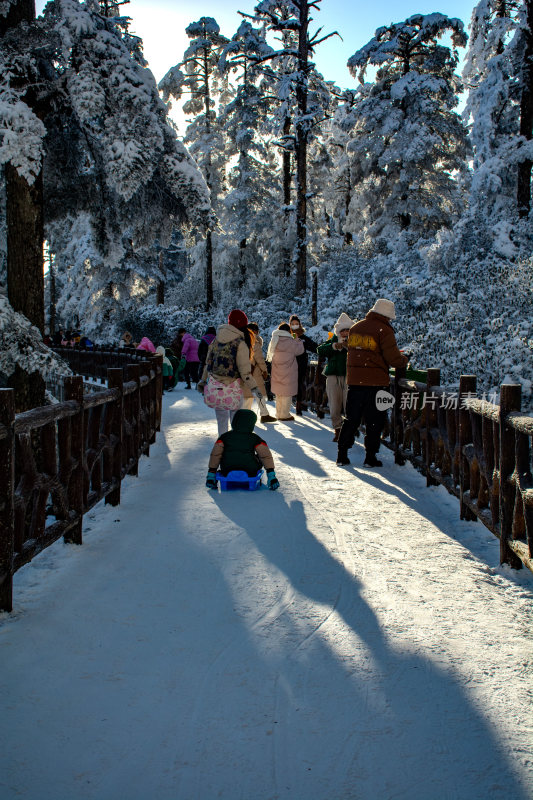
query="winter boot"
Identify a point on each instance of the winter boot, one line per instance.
(342, 458)
(372, 461)
(268, 418)
(298, 408)
(337, 433)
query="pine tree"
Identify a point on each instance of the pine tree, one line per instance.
(407, 140)
(498, 74)
(250, 205)
(202, 82)
(304, 98)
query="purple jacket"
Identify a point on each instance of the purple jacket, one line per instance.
(189, 350)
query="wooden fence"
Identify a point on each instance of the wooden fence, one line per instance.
(58, 461)
(481, 452)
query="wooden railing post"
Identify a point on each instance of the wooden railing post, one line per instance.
(74, 391)
(115, 380)
(432, 379)
(467, 386)
(147, 409)
(7, 488)
(158, 364)
(134, 374)
(397, 422)
(510, 400)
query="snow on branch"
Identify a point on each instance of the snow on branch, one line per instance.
(21, 344)
(21, 136)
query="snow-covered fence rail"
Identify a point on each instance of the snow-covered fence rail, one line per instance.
(95, 363)
(58, 461)
(481, 452)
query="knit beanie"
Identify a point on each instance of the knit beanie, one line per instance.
(237, 318)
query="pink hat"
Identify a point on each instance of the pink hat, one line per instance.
(237, 318)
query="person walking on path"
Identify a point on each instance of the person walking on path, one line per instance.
(372, 349)
(298, 331)
(189, 351)
(177, 342)
(229, 359)
(241, 449)
(260, 374)
(335, 371)
(168, 370)
(283, 351)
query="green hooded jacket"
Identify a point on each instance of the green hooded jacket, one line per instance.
(240, 444)
(336, 358)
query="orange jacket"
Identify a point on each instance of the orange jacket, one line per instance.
(372, 349)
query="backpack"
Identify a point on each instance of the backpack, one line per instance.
(222, 358)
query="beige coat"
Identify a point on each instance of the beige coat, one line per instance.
(228, 333)
(258, 367)
(283, 350)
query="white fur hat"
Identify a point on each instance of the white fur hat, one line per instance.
(385, 308)
(342, 323)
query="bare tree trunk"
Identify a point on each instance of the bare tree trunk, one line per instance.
(24, 214)
(208, 240)
(242, 265)
(526, 118)
(287, 180)
(208, 271)
(24, 217)
(348, 238)
(301, 151)
(161, 283)
(53, 295)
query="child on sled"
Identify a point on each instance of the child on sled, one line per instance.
(241, 449)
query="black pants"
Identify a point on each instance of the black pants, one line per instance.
(361, 404)
(191, 372)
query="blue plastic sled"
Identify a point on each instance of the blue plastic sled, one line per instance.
(239, 479)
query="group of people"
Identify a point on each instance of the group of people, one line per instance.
(67, 338)
(230, 369)
(358, 357)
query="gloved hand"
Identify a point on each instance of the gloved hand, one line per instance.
(259, 395)
(200, 387)
(211, 480)
(272, 481)
(265, 375)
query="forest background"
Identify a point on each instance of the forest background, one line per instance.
(286, 161)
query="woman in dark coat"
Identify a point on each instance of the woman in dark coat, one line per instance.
(298, 331)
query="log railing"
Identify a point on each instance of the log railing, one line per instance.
(58, 461)
(481, 452)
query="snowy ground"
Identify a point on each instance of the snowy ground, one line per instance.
(344, 638)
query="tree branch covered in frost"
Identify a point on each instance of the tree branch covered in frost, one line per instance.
(21, 344)
(5, 7)
(21, 136)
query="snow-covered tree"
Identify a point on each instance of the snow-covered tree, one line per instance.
(407, 140)
(251, 204)
(202, 82)
(304, 97)
(499, 75)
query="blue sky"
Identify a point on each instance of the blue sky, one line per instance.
(161, 24)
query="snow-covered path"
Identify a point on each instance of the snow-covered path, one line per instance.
(343, 638)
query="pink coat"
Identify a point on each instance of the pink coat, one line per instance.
(189, 350)
(146, 344)
(284, 375)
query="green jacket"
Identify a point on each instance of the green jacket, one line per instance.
(240, 446)
(336, 358)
